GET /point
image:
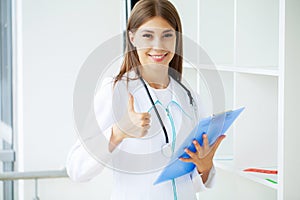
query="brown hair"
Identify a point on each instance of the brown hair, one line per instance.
(142, 12)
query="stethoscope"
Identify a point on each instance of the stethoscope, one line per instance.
(166, 148)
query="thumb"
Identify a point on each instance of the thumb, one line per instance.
(218, 142)
(131, 103)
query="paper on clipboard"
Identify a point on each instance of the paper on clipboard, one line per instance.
(214, 126)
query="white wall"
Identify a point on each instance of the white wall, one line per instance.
(291, 108)
(58, 35)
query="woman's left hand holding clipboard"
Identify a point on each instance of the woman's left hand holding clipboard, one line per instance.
(203, 157)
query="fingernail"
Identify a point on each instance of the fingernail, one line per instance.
(194, 141)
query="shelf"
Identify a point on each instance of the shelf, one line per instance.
(261, 70)
(228, 165)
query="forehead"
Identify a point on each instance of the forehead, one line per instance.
(156, 24)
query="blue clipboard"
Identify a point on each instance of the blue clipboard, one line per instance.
(214, 126)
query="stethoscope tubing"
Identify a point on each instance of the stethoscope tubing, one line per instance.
(155, 109)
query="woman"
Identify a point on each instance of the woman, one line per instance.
(159, 113)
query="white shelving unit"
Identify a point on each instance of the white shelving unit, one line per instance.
(255, 47)
(259, 178)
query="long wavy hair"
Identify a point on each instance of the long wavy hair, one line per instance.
(143, 11)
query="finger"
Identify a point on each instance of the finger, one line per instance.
(197, 146)
(145, 115)
(146, 127)
(186, 159)
(130, 103)
(190, 153)
(144, 132)
(145, 122)
(217, 143)
(205, 141)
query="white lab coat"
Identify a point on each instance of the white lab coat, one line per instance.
(137, 162)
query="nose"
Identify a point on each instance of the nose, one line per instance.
(157, 44)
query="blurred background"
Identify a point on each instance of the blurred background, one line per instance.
(253, 44)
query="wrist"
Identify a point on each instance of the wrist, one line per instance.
(116, 138)
(204, 174)
(204, 170)
(117, 135)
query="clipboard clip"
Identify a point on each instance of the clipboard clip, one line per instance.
(213, 116)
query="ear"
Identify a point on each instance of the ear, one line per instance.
(131, 37)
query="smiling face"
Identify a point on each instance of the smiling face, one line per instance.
(155, 42)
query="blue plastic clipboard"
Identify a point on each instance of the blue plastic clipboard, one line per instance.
(214, 126)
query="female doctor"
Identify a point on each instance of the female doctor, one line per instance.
(146, 112)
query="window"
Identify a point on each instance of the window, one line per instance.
(6, 141)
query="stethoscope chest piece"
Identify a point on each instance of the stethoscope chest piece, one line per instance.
(166, 150)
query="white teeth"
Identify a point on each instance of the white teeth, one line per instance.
(158, 57)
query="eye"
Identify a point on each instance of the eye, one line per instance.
(147, 35)
(168, 35)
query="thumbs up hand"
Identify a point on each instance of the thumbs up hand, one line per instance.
(138, 123)
(132, 125)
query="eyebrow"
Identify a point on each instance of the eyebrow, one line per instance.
(149, 31)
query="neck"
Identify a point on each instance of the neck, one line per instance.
(157, 78)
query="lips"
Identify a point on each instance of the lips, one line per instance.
(158, 57)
